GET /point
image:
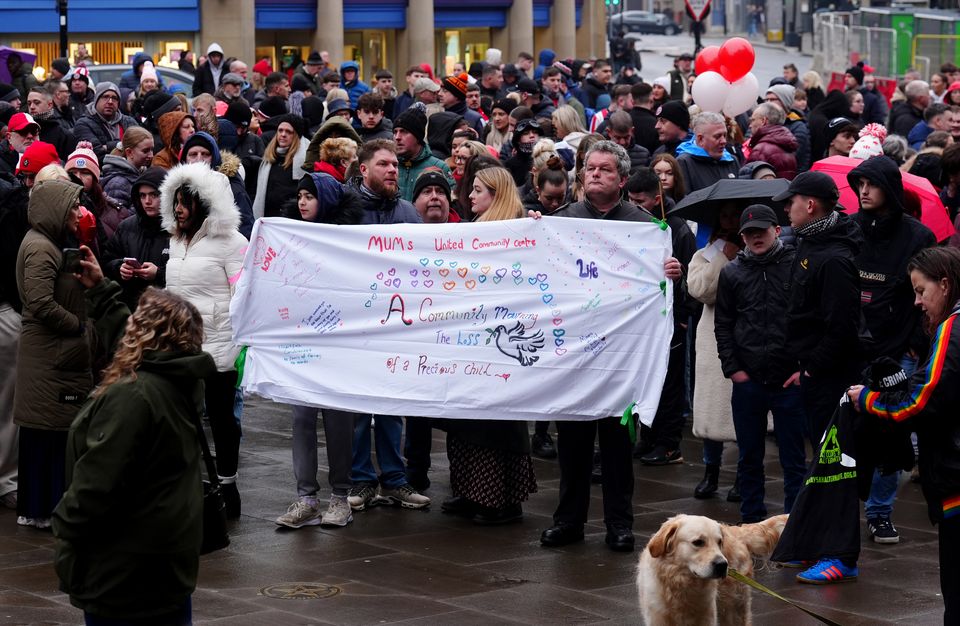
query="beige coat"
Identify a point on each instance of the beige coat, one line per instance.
(712, 415)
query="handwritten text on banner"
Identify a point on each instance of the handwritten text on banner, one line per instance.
(519, 319)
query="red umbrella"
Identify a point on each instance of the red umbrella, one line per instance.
(932, 212)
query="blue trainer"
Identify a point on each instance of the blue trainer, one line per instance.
(828, 572)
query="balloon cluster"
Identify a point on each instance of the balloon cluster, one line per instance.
(724, 81)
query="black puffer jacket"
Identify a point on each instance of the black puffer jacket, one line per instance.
(140, 237)
(823, 316)
(751, 321)
(14, 198)
(890, 240)
(903, 117)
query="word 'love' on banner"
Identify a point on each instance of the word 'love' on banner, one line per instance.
(557, 318)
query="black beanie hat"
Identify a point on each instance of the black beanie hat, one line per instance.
(61, 65)
(273, 106)
(239, 113)
(413, 120)
(675, 111)
(857, 72)
(312, 108)
(431, 176)
(299, 124)
(504, 104)
(158, 103)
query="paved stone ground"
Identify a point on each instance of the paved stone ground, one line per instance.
(423, 567)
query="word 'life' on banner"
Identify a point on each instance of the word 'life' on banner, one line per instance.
(557, 318)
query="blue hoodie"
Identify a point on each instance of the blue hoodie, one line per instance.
(546, 59)
(130, 79)
(355, 88)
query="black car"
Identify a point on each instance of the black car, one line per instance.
(644, 22)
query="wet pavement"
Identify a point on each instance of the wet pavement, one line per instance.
(423, 567)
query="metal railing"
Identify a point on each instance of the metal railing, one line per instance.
(831, 40)
(933, 50)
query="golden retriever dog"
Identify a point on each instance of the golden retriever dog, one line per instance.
(682, 576)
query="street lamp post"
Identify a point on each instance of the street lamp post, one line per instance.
(62, 10)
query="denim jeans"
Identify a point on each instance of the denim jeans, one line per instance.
(387, 433)
(883, 489)
(751, 402)
(712, 452)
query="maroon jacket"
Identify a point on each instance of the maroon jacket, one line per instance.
(777, 146)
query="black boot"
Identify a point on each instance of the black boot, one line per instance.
(231, 498)
(734, 494)
(708, 486)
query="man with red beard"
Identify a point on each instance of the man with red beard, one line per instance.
(382, 204)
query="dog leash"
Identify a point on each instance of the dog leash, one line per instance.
(734, 574)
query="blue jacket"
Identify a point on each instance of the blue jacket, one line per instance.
(356, 87)
(545, 60)
(918, 135)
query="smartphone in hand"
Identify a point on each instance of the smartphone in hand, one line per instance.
(132, 262)
(71, 260)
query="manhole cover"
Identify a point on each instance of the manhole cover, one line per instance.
(300, 591)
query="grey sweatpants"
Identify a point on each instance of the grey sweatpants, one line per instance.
(338, 432)
(9, 341)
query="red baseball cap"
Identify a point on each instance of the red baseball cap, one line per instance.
(21, 121)
(38, 155)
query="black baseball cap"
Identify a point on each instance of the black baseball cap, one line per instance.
(813, 184)
(758, 216)
(528, 85)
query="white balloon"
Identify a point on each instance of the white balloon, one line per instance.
(743, 95)
(710, 91)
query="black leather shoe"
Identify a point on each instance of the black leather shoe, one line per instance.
(231, 499)
(488, 516)
(541, 446)
(561, 535)
(661, 456)
(460, 506)
(619, 539)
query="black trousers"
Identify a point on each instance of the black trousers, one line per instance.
(949, 534)
(219, 393)
(575, 452)
(417, 445)
(667, 427)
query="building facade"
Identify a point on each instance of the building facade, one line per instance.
(375, 33)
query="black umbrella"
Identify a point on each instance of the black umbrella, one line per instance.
(704, 204)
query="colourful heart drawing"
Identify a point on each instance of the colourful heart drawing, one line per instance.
(470, 284)
(462, 272)
(393, 271)
(424, 262)
(497, 279)
(559, 342)
(474, 265)
(413, 272)
(373, 286)
(501, 272)
(555, 312)
(396, 283)
(557, 321)
(482, 278)
(544, 286)
(414, 283)
(541, 277)
(547, 298)
(485, 269)
(387, 282)
(379, 275)
(532, 280)
(517, 273)
(444, 272)
(560, 351)
(438, 262)
(453, 264)
(425, 272)
(517, 280)
(516, 266)
(449, 285)
(428, 284)
(368, 303)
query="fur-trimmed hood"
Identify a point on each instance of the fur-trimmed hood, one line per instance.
(230, 164)
(212, 187)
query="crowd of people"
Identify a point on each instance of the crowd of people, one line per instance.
(159, 192)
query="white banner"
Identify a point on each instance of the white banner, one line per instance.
(557, 318)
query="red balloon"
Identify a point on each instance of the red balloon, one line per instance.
(736, 59)
(708, 60)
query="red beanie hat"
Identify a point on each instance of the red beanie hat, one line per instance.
(38, 155)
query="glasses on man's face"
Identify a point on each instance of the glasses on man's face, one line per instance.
(110, 98)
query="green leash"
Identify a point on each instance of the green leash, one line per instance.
(734, 574)
(628, 421)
